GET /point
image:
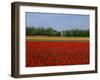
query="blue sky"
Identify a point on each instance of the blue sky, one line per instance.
(58, 22)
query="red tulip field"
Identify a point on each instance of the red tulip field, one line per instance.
(56, 53)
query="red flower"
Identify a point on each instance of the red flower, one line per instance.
(39, 53)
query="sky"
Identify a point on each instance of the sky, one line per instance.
(57, 21)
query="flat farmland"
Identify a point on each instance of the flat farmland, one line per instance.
(56, 51)
(46, 38)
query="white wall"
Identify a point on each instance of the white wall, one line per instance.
(5, 40)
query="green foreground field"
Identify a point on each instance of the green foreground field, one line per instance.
(46, 38)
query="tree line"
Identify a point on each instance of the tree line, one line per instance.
(41, 31)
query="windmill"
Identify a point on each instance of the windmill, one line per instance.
(62, 33)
